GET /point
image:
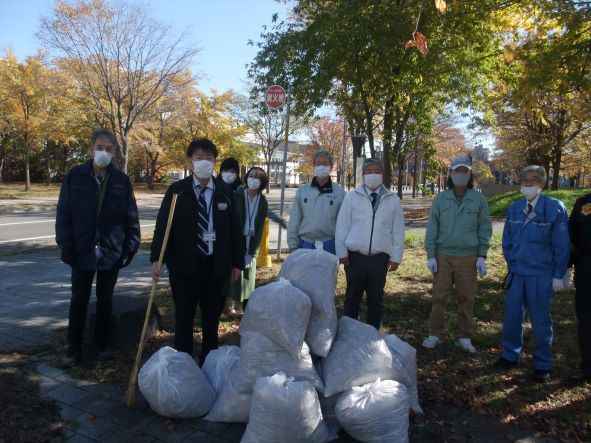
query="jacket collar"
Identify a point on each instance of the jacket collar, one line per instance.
(469, 195)
(325, 189)
(383, 193)
(88, 168)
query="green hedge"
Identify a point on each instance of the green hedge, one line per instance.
(499, 204)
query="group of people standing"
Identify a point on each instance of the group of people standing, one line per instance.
(218, 226)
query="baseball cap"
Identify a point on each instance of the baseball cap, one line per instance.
(461, 160)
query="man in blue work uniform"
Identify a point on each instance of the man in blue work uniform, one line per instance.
(580, 231)
(536, 246)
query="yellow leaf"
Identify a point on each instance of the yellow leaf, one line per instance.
(508, 55)
(441, 6)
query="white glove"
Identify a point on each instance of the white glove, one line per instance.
(481, 266)
(432, 265)
(567, 279)
(557, 284)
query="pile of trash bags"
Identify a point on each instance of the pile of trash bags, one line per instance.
(299, 375)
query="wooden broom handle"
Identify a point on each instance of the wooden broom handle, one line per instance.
(138, 357)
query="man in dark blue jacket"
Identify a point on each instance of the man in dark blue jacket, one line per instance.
(580, 231)
(97, 229)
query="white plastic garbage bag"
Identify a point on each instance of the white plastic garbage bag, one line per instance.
(261, 357)
(358, 356)
(315, 273)
(376, 412)
(231, 406)
(280, 312)
(217, 365)
(174, 386)
(408, 357)
(285, 411)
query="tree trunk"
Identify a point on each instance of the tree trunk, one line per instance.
(268, 161)
(400, 174)
(48, 162)
(369, 131)
(414, 176)
(557, 163)
(27, 166)
(124, 153)
(546, 165)
(387, 143)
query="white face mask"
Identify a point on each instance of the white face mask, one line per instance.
(203, 169)
(373, 181)
(229, 177)
(321, 171)
(253, 183)
(102, 158)
(530, 192)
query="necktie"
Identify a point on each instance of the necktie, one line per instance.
(202, 222)
(529, 208)
(374, 200)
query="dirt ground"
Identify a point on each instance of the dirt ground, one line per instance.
(24, 416)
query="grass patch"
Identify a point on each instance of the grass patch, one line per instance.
(16, 191)
(499, 204)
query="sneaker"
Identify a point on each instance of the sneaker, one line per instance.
(466, 345)
(431, 342)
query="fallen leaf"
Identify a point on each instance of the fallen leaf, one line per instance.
(441, 6)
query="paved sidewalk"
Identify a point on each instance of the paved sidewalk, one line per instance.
(97, 412)
(35, 295)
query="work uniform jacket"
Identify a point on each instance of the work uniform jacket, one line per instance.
(458, 229)
(580, 230)
(313, 215)
(537, 244)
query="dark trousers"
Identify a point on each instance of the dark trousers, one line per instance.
(366, 274)
(583, 309)
(81, 288)
(189, 290)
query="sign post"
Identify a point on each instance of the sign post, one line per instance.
(275, 98)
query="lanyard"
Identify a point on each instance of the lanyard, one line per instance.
(251, 215)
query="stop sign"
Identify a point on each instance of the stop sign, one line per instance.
(275, 97)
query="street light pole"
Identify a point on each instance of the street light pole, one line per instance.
(283, 180)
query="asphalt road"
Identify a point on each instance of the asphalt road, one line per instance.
(38, 227)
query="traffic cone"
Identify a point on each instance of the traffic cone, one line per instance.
(264, 258)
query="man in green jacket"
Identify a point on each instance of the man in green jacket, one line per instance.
(457, 241)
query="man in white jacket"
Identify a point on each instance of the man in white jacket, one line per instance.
(369, 241)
